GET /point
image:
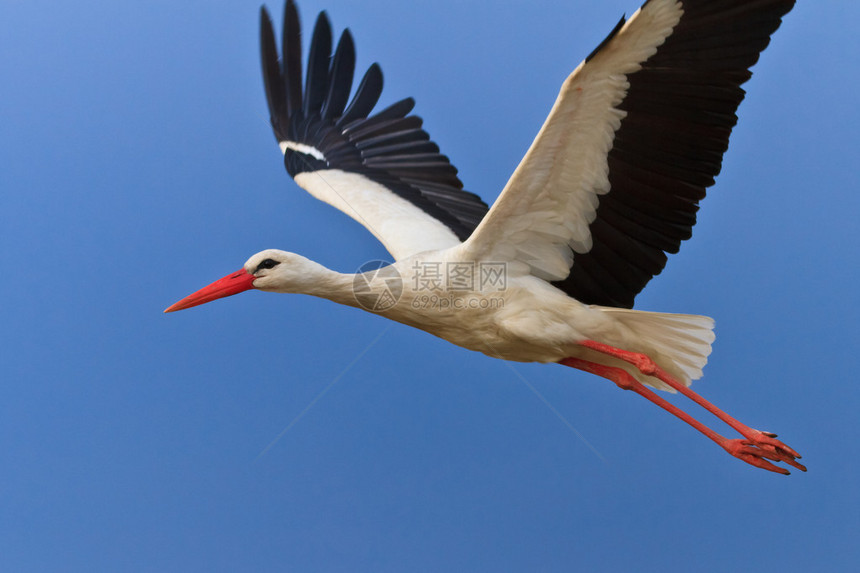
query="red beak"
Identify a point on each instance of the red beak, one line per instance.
(233, 283)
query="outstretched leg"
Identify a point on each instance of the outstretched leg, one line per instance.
(756, 449)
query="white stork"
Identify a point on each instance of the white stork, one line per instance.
(610, 185)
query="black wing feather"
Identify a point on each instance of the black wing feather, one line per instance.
(275, 88)
(368, 93)
(680, 112)
(318, 64)
(342, 70)
(292, 58)
(389, 147)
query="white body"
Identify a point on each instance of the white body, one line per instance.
(529, 321)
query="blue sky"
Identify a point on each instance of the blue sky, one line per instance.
(138, 165)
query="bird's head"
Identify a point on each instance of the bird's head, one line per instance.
(269, 270)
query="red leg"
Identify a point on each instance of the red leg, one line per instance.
(764, 440)
(755, 449)
(649, 368)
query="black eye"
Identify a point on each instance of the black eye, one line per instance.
(268, 264)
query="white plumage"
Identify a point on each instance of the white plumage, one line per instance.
(400, 226)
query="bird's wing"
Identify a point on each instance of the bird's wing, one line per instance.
(382, 170)
(613, 180)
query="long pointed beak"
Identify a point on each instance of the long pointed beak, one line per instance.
(233, 283)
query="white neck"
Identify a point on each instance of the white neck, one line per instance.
(308, 277)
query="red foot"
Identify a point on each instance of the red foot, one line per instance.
(757, 447)
(757, 454)
(767, 440)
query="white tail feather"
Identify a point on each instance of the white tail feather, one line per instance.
(679, 343)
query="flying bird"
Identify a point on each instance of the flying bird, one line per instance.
(610, 186)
